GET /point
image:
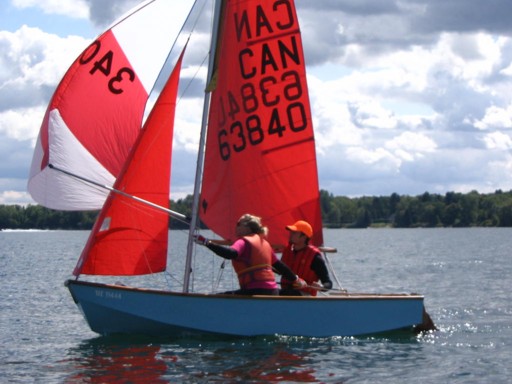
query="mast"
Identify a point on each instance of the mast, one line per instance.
(202, 139)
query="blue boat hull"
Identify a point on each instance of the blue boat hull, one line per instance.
(112, 309)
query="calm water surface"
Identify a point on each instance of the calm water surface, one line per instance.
(463, 273)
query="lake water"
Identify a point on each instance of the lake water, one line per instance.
(463, 273)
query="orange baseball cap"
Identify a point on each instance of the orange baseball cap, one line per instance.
(301, 226)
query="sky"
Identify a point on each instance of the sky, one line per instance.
(407, 96)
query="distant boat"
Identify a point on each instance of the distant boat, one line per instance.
(256, 155)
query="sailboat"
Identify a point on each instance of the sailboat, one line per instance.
(256, 149)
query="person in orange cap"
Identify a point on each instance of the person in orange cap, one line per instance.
(305, 260)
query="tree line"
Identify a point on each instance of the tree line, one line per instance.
(427, 210)
(398, 211)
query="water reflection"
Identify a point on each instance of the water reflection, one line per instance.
(143, 360)
(278, 366)
(114, 360)
(130, 359)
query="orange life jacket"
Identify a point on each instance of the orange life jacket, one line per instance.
(300, 263)
(258, 267)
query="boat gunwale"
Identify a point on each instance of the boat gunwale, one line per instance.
(334, 296)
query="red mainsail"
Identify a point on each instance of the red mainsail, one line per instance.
(129, 237)
(260, 149)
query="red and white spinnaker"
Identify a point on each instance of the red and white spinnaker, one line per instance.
(96, 112)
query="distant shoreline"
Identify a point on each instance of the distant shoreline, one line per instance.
(427, 210)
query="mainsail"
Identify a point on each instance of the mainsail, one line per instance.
(128, 237)
(260, 150)
(97, 110)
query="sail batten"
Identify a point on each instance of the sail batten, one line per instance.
(284, 146)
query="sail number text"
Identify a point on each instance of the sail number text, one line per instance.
(265, 97)
(103, 62)
(252, 128)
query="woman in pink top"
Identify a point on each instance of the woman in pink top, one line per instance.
(253, 259)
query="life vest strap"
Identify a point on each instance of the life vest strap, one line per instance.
(253, 268)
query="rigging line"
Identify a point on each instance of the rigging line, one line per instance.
(193, 269)
(194, 220)
(214, 280)
(192, 29)
(170, 277)
(173, 44)
(133, 12)
(189, 83)
(328, 260)
(176, 215)
(219, 276)
(199, 13)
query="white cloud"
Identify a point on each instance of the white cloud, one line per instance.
(34, 63)
(410, 145)
(495, 117)
(379, 156)
(15, 197)
(507, 71)
(71, 8)
(331, 116)
(498, 140)
(188, 124)
(390, 121)
(21, 123)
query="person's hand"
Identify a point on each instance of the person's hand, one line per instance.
(316, 285)
(201, 240)
(299, 283)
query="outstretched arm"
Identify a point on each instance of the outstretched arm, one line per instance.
(318, 265)
(282, 269)
(222, 251)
